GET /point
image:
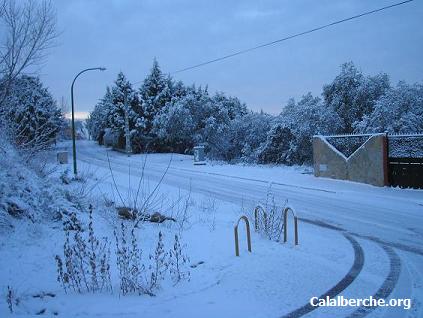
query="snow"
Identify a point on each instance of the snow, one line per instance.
(272, 281)
(399, 145)
(405, 146)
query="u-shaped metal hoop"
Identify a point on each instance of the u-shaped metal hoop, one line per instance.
(247, 225)
(285, 222)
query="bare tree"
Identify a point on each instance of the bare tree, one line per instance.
(29, 30)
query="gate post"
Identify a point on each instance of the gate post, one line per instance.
(247, 225)
(385, 160)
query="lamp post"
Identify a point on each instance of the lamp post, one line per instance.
(73, 114)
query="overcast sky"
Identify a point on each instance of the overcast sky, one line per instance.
(125, 35)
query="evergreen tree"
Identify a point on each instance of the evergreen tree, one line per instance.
(98, 119)
(124, 103)
(247, 134)
(279, 145)
(154, 93)
(174, 124)
(32, 114)
(306, 118)
(232, 106)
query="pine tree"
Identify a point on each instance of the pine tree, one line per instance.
(154, 93)
(31, 114)
(125, 107)
(98, 119)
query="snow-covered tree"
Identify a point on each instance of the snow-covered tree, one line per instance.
(247, 134)
(400, 110)
(290, 139)
(353, 95)
(232, 106)
(279, 145)
(181, 122)
(175, 125)
(217, 113)
(198, 101)
(306, 118)
(28, 31)
(31, 113)
(125, 108)
(98, 119)
(154, 93)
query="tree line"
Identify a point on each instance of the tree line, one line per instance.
(167, 115)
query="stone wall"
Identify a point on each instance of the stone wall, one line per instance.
(368, 164)
(328, 162)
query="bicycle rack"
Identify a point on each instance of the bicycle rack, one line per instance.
(285, 221)
(247, 225)
(256, 217)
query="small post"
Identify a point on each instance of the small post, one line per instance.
(199, 158)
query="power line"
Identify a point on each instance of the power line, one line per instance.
(291, 37)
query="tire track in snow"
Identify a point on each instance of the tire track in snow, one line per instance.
(341, 285)
(381, 242)
(395, 264)
(388, 285)
(416, 273)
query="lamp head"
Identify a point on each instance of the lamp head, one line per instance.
(102, 68)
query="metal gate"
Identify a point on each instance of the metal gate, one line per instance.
(405, 163)
(406, 172)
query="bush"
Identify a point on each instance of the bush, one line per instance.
(31, 114)
(279, 146)
(85, 266)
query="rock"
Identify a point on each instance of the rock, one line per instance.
(196, 264)
(127, 213)
(41, 312)
(156, 217)
(42, 295)
(14, 210)
(132, 214)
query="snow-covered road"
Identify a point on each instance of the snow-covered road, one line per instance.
(356, 241)
(389, 216)
(387, 223)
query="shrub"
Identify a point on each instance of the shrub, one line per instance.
(86, 260)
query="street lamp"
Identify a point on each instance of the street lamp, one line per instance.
(73, 114)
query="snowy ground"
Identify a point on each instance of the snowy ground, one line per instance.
(355, 240)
